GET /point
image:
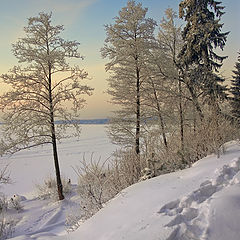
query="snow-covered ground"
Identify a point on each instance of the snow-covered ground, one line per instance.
(31, 167)
(202, 202)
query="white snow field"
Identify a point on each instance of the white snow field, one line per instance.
(202, 202)
(31, 167)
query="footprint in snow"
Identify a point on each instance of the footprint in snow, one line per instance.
(192, 212)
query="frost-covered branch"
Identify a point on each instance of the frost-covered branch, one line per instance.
(41, 89)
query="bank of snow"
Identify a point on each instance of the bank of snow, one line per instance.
(202, 202)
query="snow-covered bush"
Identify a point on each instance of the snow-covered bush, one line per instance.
(3, 203)
(209, 137)
(48, 190)
(206, 137)
(127, 168)
(6, 224)
(15, 203)
(99, 182)
(4, 175)
(94, 186)
(93, 190)
(74, 219)
(6, 227)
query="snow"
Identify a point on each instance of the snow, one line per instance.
(201, 202)
(173, 206)
(31, 167)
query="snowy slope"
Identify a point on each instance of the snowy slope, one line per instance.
(188, 204)
(201, 202)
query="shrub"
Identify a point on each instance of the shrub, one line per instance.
(3, 203)
(6, 227)
(98, 182)
(93, 186)
(74, 219)
(127, 168)
(205, 138)
(6, 224)
(48, 190)
(4, 175)
(15, 203)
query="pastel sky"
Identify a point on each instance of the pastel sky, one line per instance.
(84, 21)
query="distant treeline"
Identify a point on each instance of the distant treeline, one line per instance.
(85, 121)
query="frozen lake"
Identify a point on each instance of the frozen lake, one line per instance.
(32, 166)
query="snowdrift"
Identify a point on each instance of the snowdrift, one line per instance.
(202, 202)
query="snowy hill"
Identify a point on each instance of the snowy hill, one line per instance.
(202, 202)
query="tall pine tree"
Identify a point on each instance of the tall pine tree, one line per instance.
(198, 60)
(235, 90)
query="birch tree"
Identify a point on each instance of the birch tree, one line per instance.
(44, 88)
(170, 39)
(164, 80)
(127, 45)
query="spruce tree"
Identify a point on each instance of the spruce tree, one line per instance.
(198, 60)
(235, 90)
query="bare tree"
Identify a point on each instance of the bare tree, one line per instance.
(44, 88)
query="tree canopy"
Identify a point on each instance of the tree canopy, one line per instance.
(43, 87)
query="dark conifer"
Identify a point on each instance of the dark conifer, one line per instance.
(235, 90)
(201, 35)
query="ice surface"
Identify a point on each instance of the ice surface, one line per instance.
(31, 167)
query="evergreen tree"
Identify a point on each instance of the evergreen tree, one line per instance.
(235, 90)
(198, 60)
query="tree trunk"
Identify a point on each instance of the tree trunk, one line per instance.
(138, 117)
(160, 116)
(181, 115)
(162, 126)
(192, 92)
(214, 105)
(56, 163)
(137, 146)
(54, 143)
(195, 100)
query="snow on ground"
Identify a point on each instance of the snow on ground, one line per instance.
(201, 202)
(189, 204)
(31, 167)
(43, 217)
